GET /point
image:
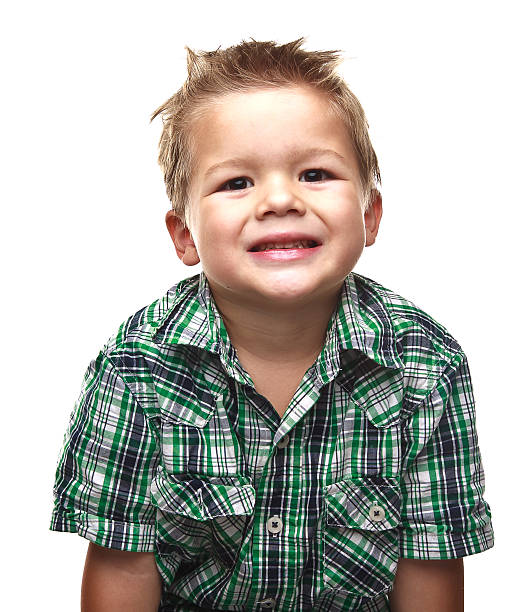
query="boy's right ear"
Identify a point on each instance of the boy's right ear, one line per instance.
(182, 239)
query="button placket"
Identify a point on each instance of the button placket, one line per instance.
(283, 442)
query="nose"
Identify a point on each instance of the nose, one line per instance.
(279, 198)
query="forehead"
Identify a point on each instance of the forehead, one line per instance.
(259, 101)
(271, 124)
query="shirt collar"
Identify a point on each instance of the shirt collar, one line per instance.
(364, 323)
(193, 320)
(361, 322)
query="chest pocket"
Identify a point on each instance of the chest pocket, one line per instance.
(198, 518)
(196, 435)
(360, 535)
(370, 429)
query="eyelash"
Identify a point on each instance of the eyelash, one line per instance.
(222, 187)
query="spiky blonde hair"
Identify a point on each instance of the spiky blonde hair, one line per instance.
(252, 65)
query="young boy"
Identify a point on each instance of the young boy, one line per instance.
(278, 432)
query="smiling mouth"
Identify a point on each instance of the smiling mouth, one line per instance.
(278, 246)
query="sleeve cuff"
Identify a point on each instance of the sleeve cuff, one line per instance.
(451, 545)
(132, 537)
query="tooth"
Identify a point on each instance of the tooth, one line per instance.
(297, 244)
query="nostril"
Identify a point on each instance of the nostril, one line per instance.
(280, 212)
(280, 204)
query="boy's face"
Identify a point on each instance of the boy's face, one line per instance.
(276, 201)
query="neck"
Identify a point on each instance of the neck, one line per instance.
(280, 333)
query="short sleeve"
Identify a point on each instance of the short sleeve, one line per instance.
(444, 515)
(108, 459)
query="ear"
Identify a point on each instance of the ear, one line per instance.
(182, 239)
(372, 217)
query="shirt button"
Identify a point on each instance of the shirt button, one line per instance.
(274, 525)
(283, 442)
(267, 603)
(376, 513)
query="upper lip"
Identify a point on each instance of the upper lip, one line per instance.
(283, 238)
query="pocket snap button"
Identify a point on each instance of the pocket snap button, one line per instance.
(274, 524)
(377, 513)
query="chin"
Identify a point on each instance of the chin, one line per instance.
(292, 294)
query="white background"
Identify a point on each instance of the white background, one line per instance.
(84, 243)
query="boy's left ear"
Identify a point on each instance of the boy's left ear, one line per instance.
(182, 239)
(372, 217)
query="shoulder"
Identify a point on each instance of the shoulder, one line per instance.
(427, 356)
(413, 331)
(139, 329)
(161, 372)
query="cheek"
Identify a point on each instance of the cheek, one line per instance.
(342, 204)
(216, 239)
(349, 229)
(222, 221)
(215, 229)
(347, 217)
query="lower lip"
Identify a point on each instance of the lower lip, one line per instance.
(284, 254)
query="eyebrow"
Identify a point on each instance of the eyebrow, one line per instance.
(295, 155)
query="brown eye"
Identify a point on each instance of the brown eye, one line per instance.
(236, 184)
(314, 175)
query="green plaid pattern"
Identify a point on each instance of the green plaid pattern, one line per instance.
(170, 449)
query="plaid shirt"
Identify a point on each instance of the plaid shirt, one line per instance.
(171, 450)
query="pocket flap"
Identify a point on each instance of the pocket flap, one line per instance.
(371, 503)
(185, 402)
(203, 499)
(375, 389)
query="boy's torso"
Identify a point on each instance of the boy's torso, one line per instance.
(172, 450)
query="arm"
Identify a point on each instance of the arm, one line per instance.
(443, 516)
(432, 586)
(102, 492)
(120, 581)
